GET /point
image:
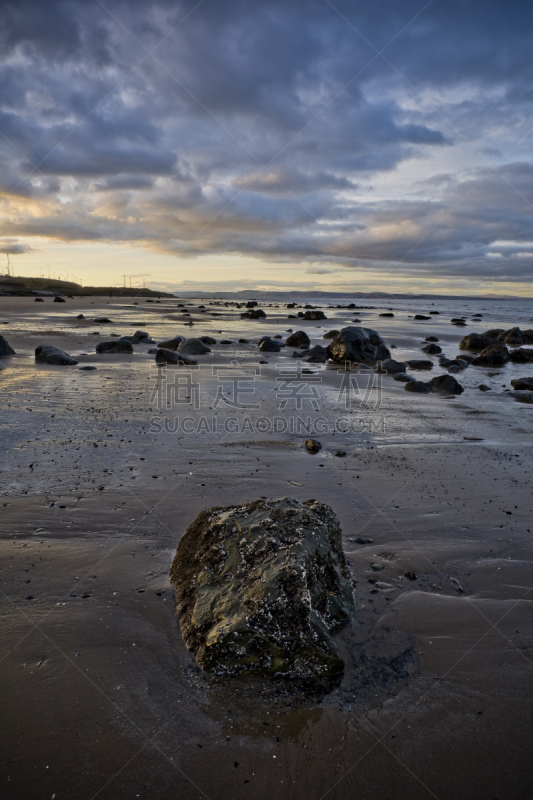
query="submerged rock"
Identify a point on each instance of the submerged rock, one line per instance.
(48, 354)
(261, 588)
(359, 345)
(5, 348)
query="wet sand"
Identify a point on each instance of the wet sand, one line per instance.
(100, 697)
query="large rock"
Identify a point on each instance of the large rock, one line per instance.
(171, 344)
(48, 354)
(391, 367)
(314, 315)
(193, 347)
(417, 363)
(268, 345)
(521, 356)
(358, 344)
(432, 349)
(261, 588)
(298, 339)
(475, 341)
(120, 346)
(495, 355)
(446, 384)
(522, 383)
(418, 386)
(254, 313)
(163, 356)
(513, 337)
(493, 333)
(5, 348)
(316, 355)
(331, 334)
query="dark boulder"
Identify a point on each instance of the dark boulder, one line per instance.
(402, 377)
(254, 313)
(39, 300)
(193, 347)
(58, 299)
(314, 315)
(521, 356)
(475, 341)
(5, 348)
(268, 345)
(358, 344)
(513, 337)
(391, 367)
(103, 320)
(495, 355)
(316, 355)
(418, 386)
(120, 346)
(207, 340)
(298, 339)
(522, 383)
(493, 333)
(446, 384)
(48, 354)
(330, 334)
(163, 356)
(421, 316)
(432, 349)
(171, 344)
(432, 338)
(417, 363)
(261, 589)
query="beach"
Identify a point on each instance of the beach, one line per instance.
(102, 471)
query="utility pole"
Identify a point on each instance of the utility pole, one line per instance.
(130, 283)
(9, 267)
(124, 281)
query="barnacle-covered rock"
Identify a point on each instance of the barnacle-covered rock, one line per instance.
(261, 589)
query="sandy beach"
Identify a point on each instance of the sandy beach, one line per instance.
(102, 471)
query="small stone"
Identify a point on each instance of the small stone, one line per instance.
(312, 446)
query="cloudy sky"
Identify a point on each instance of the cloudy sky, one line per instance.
(341, 145)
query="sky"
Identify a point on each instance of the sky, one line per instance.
(284, 144)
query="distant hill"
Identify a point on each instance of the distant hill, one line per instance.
(35, 286)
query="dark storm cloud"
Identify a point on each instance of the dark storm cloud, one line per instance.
(261, 129)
